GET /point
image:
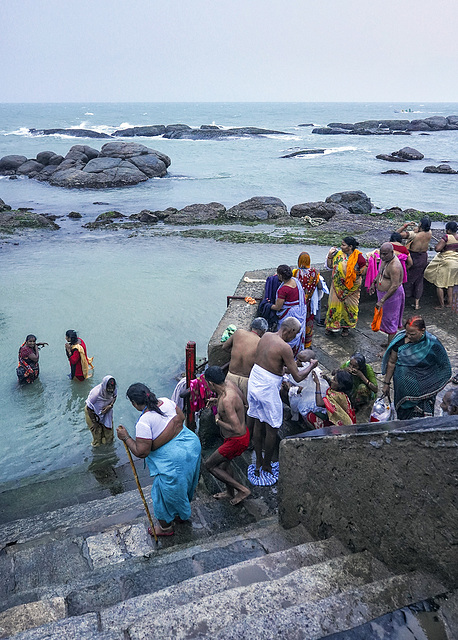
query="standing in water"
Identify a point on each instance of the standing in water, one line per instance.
(348, 266)
(98, 411)
(231, 422)
(28, 369)
(77, 356)
(172, 453)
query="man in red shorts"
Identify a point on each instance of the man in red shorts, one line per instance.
(231, 422)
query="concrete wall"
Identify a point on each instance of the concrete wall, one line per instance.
(389, 488)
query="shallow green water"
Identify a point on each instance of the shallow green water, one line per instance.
(135, 301)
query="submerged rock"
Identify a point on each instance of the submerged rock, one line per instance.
(356, 202)
(397, 172)
(11, 221)
(303, 152)
(390, 157)
(77, 133)
(442, 168)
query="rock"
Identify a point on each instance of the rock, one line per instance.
(11, 162)
(55, 160)
(151, 165)
(324, 210)
(209, 434)
(303, 152)
(442, 168)
(46, 173)
(258, 208)
(74, 215)
(198, 213)
(4, 206)
(436, 123)
(104, 203)
(31, 166)
(390, 158)
(452, 120)
(308, 124)
(329, 131)
(77, 133)
(409, 154)
(210, 133)
(14, 220)
(397, 172)
(356, 202)
(101, 164)
(148, 131)
(44, 157)
(341, 125)
(104, 219)
(147, 216)
(418, 125)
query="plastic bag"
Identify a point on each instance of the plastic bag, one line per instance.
(382, 410)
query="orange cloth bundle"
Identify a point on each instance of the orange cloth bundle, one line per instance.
(250, 300)
(377, 319)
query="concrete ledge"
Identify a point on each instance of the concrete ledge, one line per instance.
(388, 488)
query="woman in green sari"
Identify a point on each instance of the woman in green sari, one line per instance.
(348, 266)
(364, 380)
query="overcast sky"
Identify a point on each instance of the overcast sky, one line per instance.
(231, 50)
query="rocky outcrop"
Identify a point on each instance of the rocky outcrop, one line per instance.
(442, 168)
(392, 172)
(390, 157)
(303, 152)
(77, 133)
(408, 154)
(258, 208)
(356, 202)
(197, 214)
(325, 210)
(386, 127)
(4, 206)
(12, 221)
(145, 132)
(118, 164)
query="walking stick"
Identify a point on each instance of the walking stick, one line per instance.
(140, 491)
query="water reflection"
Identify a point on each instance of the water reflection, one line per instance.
(102, 467)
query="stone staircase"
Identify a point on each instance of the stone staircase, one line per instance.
(91, 571)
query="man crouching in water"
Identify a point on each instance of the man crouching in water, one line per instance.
(264, 403)
(231, 421)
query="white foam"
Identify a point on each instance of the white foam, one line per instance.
(22, 131)
(339, 149)
(88, 113)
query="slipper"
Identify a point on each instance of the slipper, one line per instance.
(345, 333)
(161, 532)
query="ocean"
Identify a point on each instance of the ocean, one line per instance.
(136, 301)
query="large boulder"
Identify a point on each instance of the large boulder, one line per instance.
(319, 209)
(4, 206)
(452, 120)
(56, 159)
(418, 125)
(258, 208)
(151, 165)
(356, 202)
(101, 164)
(44, 157)
(11, 163)
(123, 150)
(198, 213)
(409, 154)
(436, 123)
(31, 166)
(148, 131)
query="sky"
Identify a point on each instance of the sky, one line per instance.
(238, 50)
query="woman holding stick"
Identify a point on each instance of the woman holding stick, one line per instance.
(172, 453)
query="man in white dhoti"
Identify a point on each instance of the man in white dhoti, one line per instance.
(264, 403)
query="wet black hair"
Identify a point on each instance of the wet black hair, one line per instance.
(284, 271)
(141, 395)
(344, 380)
(361, 360)
(425, 223)
(30, 337)
(395, 237)
(72, 336)
(214, 374)
(351, 241)
(451, 226)
(415, 321)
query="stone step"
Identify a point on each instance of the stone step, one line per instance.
(337, 613)
(220, 611)
(125, 559)
(180, 577)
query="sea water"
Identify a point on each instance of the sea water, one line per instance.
(136, 301)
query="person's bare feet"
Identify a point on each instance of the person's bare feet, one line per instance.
(439, 308)
(240, 495)
(267, 468)
(224, 495)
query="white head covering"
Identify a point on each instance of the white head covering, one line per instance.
(99, 398)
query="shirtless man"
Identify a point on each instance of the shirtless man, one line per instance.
(264, 403)
(390, 293)
(243, 344)
(418, 240)
(231, 421)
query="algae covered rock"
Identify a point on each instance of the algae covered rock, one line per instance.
(258, 208)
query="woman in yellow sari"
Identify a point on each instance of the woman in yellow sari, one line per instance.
(348, 266)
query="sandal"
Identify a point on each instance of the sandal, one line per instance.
(345, 333)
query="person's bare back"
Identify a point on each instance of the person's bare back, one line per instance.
(243, 345)
(231, 412)
(271, 353)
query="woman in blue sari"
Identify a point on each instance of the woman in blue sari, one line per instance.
(419, 366)
(172, 453)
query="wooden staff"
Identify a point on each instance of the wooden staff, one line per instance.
(141, 491)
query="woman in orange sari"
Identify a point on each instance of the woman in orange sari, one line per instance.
(309, 277)
(348, 266)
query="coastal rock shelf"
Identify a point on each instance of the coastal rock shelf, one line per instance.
(387, 127)
(170, 131)
(118, 164)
